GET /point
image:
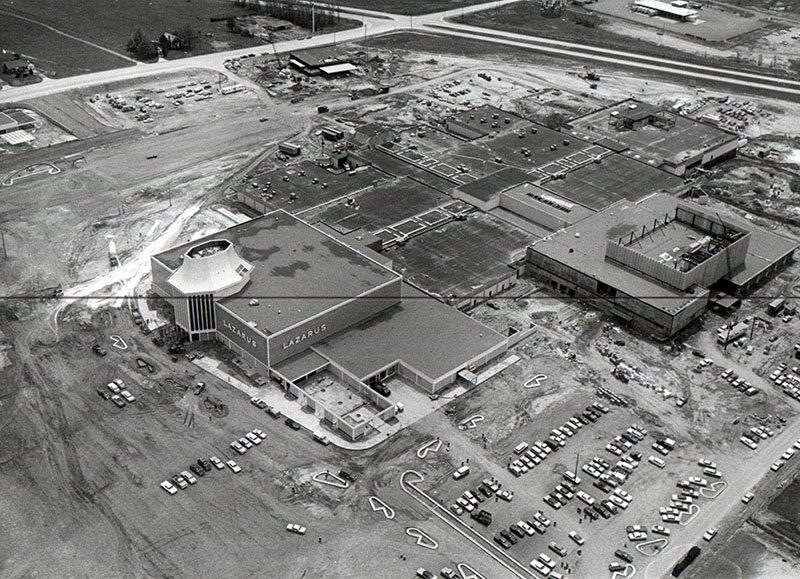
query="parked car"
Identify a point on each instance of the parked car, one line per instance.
(127, 396)
(238, 447)
(292, 424)
(167, 486)
(117, 400)
(217, 463)
(295, 528)
(233, 466)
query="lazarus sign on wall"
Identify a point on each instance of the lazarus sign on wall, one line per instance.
(310, 333)
(240, 333)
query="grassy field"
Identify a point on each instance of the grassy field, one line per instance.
(53, 54)
(110, 24)
(412, 7)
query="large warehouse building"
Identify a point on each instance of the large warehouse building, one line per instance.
(289, 298)
(652, 263)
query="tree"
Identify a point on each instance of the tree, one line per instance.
(135, 41)
(140, 47)
(188, 36)
(146, 50)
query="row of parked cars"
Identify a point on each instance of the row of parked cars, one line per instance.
(739, 383)
(532, 455)
(751, 438)
(185, 478)
(785, 457)
(246, 442)
(536, 523)
(116, 392)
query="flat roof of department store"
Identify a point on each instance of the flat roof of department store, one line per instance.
(426, 334)
(298, 270)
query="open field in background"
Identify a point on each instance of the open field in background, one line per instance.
(111, 24)
(522, 19)
(53, 54)
(412, 7)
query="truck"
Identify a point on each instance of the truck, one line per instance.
(733, 333)
(775, 306)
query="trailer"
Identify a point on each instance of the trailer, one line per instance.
(775, 306)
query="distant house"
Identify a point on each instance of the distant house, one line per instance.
(170, 41)
(18, 66)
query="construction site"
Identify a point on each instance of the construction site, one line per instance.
(396, 262)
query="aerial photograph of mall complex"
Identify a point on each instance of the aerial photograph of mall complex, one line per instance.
(456, 289)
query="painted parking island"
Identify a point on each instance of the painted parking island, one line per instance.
(467, 572)
(536, 381)
(423, 538)
(432, 446)
(714, 489)
(33, 170)
(378, 506)
(330, 479)
(471, 423)
(628, 571)
(653, 547)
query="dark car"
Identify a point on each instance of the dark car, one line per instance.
(292, 424)
(104, 394)
(204, 464)
(517, 531)
(381, 389)
(197, 469)
(509, 537)
(502, 542)
(625, 556)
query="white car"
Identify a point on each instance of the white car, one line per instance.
(623, 495)
(295, 528)
(777, 465)
(706, 463)
(748, 443)
(788, 454)
(260, 433)
(245, 443)
(505, 495)
(540, 567)
(217, 463)
(710, 534)
(654, 460)
(660, 530)
(526, 527)
(119, 383)
(233, 466)
(576, 537)
(113, 387)
(169, 487)
(238, 447)
(254, 438)
(188, 476)
(127, 396)
(547, 560)
(747, 497)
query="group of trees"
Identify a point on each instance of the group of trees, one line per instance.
(140, 47)
(144, 49)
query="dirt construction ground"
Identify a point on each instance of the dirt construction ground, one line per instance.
(80, 476)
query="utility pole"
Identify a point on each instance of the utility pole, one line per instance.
(313, 27)
(3, 239)
(577, 459)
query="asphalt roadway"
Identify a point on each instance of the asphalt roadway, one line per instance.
(379, 23)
